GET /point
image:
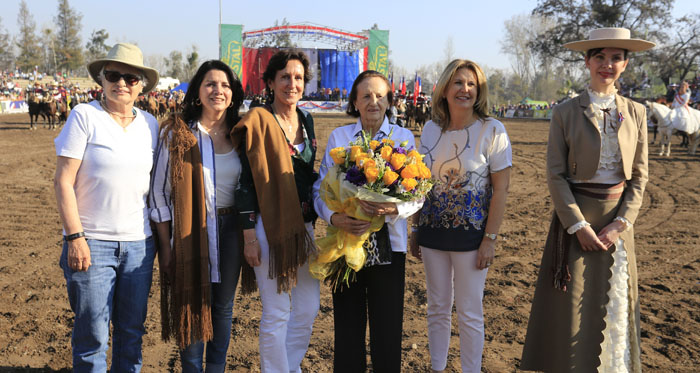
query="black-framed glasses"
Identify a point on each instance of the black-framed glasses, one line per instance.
(115, 76)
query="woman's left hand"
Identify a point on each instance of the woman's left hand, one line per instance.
(378, 208)
(610, 233)
(486, 253)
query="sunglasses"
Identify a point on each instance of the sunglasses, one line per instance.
(115, 76)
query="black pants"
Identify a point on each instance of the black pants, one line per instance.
(378, 292)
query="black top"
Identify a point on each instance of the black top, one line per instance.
(245, 198)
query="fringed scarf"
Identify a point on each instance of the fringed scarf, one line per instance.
(273, 174)
(560, 265)
(185, 299)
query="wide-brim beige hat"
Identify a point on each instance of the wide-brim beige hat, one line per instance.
(610, 37)
(127, 54)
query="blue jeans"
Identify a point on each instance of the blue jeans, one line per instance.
(115, 288)
(222, 295)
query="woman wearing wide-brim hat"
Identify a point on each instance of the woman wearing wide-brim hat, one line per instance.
(585, 313)
(105, 156)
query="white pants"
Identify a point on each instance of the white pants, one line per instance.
(287, 320)
(453, 275)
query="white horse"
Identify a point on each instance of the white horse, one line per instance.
(666, 117)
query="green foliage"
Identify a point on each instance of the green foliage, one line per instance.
(69, 49)
(573, 19)
(279, 40)
(192, 63)
(27, 43)
(96, 46)
(174, 65)
(6, 56)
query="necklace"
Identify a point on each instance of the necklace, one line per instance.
(104, 106)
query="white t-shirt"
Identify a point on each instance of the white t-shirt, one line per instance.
(112, 182)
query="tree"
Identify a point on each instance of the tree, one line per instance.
(192, 63)
(173, 65)
(522, 31)
(6, 56)
(69, 50)
(573, 19)
(96, 47)
(281, 39)
(679, 56)
(48, 48)
(449, 50)
(29, 53)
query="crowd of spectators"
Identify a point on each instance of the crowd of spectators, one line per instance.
(500, 111)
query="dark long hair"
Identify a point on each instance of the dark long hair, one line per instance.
(191, 111)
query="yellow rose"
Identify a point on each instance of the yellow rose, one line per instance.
(397, 160)
(371, 174)
(389, 177)
(388, 141)
(424, 171)
(373, 144)
(369, 163)
(410, 171)
(386, 153)
(361, 157)
(354, 151)
(409, 184)
(338, 155)
(415, 155)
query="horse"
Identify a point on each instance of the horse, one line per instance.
(152, 106)
(51, 111)
(36, 108)
(665, 119)
(422, 113)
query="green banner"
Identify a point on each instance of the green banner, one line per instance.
(378, 56)
(232, 48)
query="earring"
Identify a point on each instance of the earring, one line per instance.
(198, 102)
(231, 104)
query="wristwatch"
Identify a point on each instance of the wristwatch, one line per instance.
(492, 236)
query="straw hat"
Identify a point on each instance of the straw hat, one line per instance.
(127, 54)
(610, 37)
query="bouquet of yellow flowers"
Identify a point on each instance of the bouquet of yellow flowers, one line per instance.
(367, 170)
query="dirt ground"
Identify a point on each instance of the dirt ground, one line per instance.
(36, 320)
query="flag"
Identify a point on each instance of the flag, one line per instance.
(392, 83)
(416, 89)
(434, 84)
(403, 86)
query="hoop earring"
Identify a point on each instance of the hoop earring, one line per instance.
(198, 102)
(231, 104)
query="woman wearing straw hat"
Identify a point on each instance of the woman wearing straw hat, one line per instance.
(585, 313)
(105, 155)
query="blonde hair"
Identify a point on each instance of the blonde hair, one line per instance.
(441, 111)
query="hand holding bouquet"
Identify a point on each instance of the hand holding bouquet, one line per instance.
(367, 170)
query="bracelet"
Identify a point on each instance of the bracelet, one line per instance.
(74, 236)
(253, 241)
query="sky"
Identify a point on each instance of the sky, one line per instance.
(418, 30)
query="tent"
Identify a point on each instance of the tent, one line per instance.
(181, 87)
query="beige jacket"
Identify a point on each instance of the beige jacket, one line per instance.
(573, 153)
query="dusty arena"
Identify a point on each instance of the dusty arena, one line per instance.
(36, 320)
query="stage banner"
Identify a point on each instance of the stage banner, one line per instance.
(232, 48)
(312, 85)
(379, 51)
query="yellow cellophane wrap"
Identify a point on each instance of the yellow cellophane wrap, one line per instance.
(342, 196)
